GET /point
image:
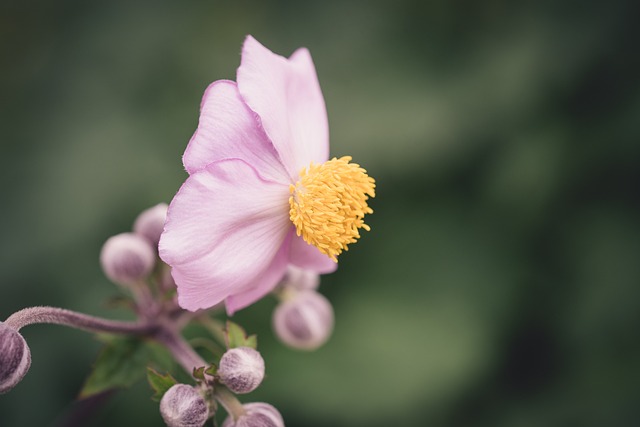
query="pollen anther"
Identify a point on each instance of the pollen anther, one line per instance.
(329, 202)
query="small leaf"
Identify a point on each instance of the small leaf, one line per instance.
(251, 341)
(122, 362)
(198, 373)
(236, 336)
(211, 370)
(159, 383)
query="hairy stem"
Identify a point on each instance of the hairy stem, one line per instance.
(61, 316)
(184, 354)
(145, 303)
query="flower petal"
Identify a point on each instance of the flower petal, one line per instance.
(308, 257)
(263, 284)
(287, 97)
(229, 129)
(224, 229)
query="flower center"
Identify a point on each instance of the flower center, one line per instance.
(328, 204)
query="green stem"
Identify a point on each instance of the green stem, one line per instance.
(229, 401)
(207, 344)
(214, 326)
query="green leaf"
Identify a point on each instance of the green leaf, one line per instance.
(251, 341)
(122, 362)
(236, 336)
(212, 370)
(159, 383)
(198, 373)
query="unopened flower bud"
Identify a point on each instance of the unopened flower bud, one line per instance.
(183, 406)
(256, 415)
(127, 258)
(15, 358)
(304, 322)
(241, 369)
(300, 279)
(150, 223)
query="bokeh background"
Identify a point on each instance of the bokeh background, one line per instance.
(500, 285)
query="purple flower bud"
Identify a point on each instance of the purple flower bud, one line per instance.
(150, 223)
(183, 406)
(241, 369)
(256, 415)
(15, 358)
(304, 322)
(127, 258)
(300, 279)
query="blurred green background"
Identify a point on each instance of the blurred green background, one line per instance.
(499, 285)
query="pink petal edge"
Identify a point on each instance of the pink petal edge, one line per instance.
(263, 284)
(286, 95)
(227, 128)
(308, 257)
(224, 228)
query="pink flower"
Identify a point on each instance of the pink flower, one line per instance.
(261, 193)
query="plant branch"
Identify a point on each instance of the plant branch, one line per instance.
(184, 354)
(61, 316)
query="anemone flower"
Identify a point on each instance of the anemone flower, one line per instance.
(261, 193)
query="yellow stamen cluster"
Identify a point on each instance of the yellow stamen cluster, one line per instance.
(328, 204)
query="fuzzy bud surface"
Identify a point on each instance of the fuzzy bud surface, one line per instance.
(127, 258)
(241, 369)
(15, 358)
(183, 406)
(150, 223)
(304, 322)
(257, 415)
